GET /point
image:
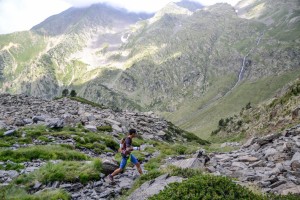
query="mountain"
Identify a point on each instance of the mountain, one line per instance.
(191, 64)
(275, 114)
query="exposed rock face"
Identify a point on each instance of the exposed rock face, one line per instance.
(153, 187)
(65, 112)
(271, 162)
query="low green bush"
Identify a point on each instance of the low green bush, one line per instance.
(104, 128)
(66, 171)
(208, 187)
(47, 152)
(16, 193)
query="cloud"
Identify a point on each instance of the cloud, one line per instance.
(18, 15)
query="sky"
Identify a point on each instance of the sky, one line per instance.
(20, 15)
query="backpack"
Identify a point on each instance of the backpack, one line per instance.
(122, 149)
(122, 145)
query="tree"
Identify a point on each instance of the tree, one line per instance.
(65, 92)
(248, 106)
(73, 93)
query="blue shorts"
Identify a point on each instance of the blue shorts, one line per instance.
(132, 158)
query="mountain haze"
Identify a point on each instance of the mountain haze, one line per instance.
(192, 64)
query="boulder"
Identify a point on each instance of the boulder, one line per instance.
(295, 164)
(267, 139)
(55, 123)
(91, 128)
(194, 163)
(9, 132)
(293, 190)
(112, 122)
(153, 187)
(37, 119)
(109, 166)
(247, 159)
(117, 128)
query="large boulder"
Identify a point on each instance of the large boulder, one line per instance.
(194, 163)
(295, 164)
(55, 123)
(153, 187)
(109, 166)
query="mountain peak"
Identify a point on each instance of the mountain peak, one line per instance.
(99, 14)
(190, 5)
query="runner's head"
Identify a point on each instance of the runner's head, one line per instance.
(132, 132)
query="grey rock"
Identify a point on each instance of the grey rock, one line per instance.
(55, 123)
(194, 163)
(295, 162)
(249, 142)
(109, 166)
(37, 185)
(293, 190)
(37, 119)
(91, 128)
(153, 187)
(27, 121)
(9, 133)
(239, 164)
(267, 139)
(117, 128)
(247, 159)
(276, 184)
(112, 122)
(106, 193)
(270, 152)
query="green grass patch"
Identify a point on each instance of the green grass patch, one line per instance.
(66, 171)
(18, 193)
(48, 152)
(105, 128)
(203, 121)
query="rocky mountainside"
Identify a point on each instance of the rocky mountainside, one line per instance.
(191, 64)
(64, 149)
(63, 136)
(276, 114)
(22, 110)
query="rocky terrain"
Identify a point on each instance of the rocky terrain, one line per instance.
(271, 162)
(20, 110)
(180, 61)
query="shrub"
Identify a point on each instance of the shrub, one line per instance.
(41, 152)
(16, 193)
(65, 92)
(205, 187)
(73, 93)
(208, 187)
(66, 171)
(104, 128)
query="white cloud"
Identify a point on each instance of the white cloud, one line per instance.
(18, 15)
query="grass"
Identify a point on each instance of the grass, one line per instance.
(48, 152)
(98, 142)
(66, 171)
(17, 193)
(203, 121)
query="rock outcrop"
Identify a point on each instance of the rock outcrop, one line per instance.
(271, 162)
(153, 187)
